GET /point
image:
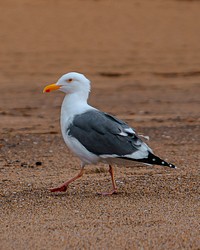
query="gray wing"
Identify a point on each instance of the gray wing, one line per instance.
(103, 134)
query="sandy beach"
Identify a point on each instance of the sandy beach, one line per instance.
(143, 59)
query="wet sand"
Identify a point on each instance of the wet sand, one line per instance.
(143, 59)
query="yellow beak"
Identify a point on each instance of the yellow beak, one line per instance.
(50, 88)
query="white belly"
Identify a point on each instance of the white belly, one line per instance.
(79, 150)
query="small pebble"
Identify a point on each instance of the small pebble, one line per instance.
(38, 163)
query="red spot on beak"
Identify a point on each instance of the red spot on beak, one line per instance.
(48, 90)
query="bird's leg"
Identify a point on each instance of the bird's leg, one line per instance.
(111, 171)
(114, 190)
(64, 186)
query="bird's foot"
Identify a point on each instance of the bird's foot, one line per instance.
(114, 191)
(62, 188)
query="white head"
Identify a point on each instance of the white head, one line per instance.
(71, 83)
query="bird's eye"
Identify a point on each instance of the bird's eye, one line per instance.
(70, 80)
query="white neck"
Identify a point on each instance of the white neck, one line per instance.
(73, 104)
(73, 101)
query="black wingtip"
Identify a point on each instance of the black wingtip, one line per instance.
(153, 159)
(172, 165)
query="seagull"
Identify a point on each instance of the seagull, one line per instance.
(95, 136)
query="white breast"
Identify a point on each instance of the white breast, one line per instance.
(69, 109)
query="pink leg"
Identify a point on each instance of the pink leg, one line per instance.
(64, 186)
(114, 190)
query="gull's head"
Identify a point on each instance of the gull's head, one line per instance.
(70, 83)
